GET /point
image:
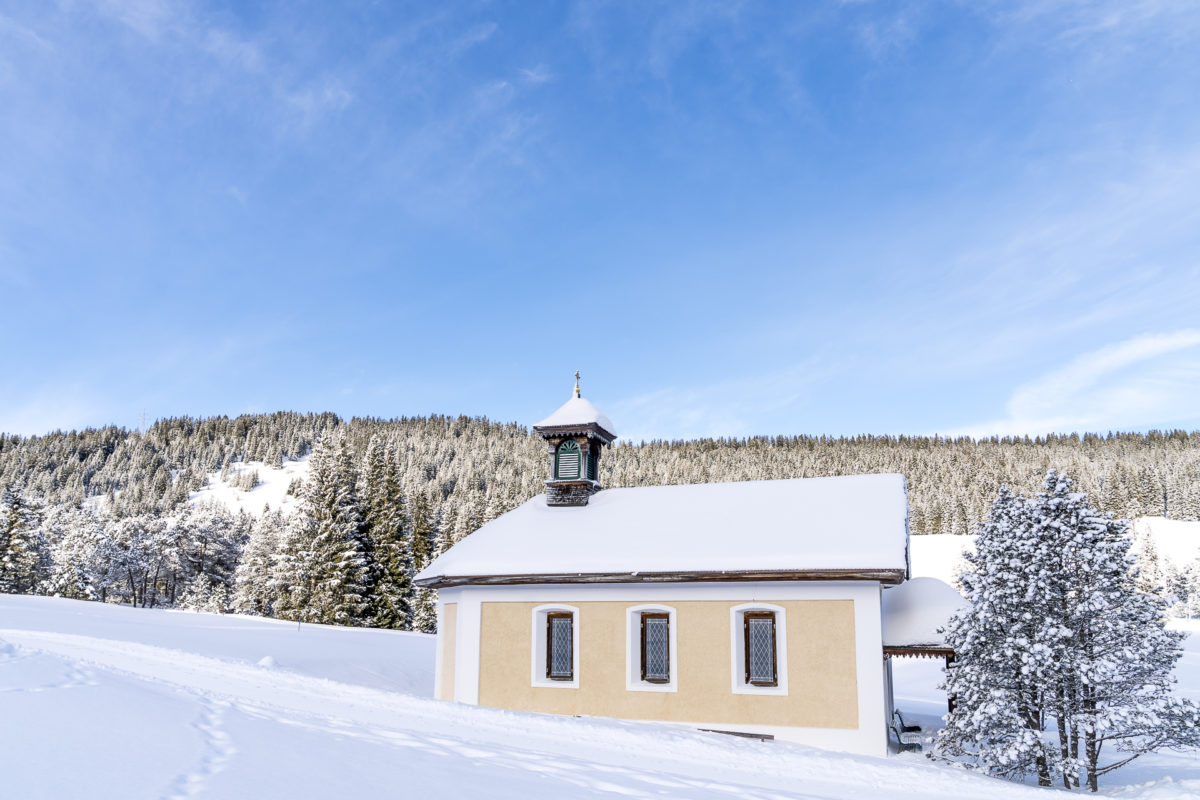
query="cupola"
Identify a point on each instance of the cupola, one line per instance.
(575, 435)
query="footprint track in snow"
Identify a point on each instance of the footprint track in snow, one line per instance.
(218, 750)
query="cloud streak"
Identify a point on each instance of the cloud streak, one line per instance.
(1148, 380)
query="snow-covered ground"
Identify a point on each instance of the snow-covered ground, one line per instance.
(103, 701)
(1175, 540)
(938, 556)
(271, 489)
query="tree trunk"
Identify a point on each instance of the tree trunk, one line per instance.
(1064, 742)
(1093, 759)
(1033, 722)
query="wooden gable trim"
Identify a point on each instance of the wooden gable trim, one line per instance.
(890, 577)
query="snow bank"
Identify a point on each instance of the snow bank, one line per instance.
(850, 522)
(915, 612)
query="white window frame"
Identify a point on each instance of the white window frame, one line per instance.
(538, 672)
(737, 649)
(633, 649)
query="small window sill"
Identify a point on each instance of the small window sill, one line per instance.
(750, 688)
(651, 686)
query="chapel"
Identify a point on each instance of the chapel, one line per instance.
(753, 607)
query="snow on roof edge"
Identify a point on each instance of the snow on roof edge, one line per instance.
(835, 523)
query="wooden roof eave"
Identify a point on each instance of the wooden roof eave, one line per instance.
(576, 429)
(918, 650)
(889, 577)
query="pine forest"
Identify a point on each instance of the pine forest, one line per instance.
(105, 514)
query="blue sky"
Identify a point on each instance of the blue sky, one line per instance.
(733, 218)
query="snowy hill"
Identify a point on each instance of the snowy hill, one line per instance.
(939, 556)
(104, 701)
(1176, 540)
(271, 489)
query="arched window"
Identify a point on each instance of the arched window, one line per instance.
(567, 461)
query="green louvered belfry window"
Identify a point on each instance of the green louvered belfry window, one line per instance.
(567, 461)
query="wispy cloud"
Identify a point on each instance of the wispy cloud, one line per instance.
(1141, 382)
(888, 35)
(539, 74)
(149, 18)
(301, 96)
(315, 101)
(10, 27)
(1081, 23)
(731, 407)
(62, 408)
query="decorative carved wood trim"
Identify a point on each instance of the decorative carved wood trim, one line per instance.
(919, 651)
(587, 429)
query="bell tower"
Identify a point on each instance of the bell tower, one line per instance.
(575, 435)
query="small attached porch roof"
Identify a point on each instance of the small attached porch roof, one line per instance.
(915, 615)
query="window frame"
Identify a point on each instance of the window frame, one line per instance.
(551, 616)
(539, 650)
(746, 619)
(738, 631)
(579, 468)
(643, 616)
(633, 649)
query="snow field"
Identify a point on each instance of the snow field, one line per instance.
(106, 701)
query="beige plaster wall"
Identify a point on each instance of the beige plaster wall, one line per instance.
(447, 638)
(822, 683)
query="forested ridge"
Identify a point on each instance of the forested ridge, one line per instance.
(461, 461)
(107, 515)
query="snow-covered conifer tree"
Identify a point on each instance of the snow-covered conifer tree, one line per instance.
(77, 559)
(1059, 653)
(23, 557)
(387, 529)
(253, 592)
(999, 670)
(427, 544)
(323, 574)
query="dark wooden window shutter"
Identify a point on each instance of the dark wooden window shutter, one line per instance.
(567, 461)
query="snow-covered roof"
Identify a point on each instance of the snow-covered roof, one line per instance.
(915, 611)
(577, 412)
(855, 523)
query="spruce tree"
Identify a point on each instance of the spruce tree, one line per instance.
(324, 572)
(23, 557)
(1060, 653)
(999, 671)
(388, 534)
(76, 546)
(252, 589)
(426, 545)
